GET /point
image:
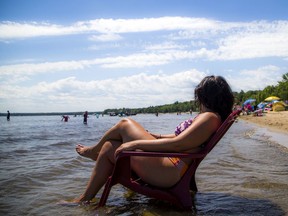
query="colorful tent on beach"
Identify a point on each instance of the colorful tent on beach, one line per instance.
(279, 106)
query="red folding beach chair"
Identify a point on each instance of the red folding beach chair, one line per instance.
(179, 194)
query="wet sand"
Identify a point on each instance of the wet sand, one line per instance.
(274, 122)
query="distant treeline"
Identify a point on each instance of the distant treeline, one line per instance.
(280, 90)
(168, 108)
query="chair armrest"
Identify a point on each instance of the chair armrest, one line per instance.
(159, 154)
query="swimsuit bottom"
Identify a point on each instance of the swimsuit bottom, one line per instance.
(179, 164)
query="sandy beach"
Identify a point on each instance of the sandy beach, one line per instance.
(274, 121)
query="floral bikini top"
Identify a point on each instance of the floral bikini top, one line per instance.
(184, 125)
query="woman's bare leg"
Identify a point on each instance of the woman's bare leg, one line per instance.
(157, 171)
(124, 131)
(102, 170)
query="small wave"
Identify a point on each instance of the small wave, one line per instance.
(60, 144)
(15, 139)
(21, 151)
(250, 133)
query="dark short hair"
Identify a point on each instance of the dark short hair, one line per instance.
(215, 94)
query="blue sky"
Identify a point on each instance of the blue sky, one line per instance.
(93, 55)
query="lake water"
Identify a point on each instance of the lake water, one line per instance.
(245, 174)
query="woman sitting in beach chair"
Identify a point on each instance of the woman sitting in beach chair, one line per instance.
(215, 100)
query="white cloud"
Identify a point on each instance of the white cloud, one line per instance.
(170, 41)
(256, 79)
(140, 90)
(105, 37)
(21, 72)
(254, 45)
(13, 74)
(134, 91)
(236, 41)
(16, 30)
(214, 40)
(130, 61)
(137, 60)
(168, 45)
(146, 24)
(46, 67)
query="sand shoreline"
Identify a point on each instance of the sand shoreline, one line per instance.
(274, 125)
(273, 121)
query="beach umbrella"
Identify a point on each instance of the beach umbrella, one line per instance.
(248, 101)
(272, 98)
(262, 105)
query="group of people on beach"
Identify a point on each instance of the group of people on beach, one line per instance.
(215, 99)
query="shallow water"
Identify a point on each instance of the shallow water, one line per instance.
(245, 174)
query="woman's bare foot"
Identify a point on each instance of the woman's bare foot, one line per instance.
(71, 203)
(68, 203)
(87, 151)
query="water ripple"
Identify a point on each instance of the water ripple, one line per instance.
(245, 174)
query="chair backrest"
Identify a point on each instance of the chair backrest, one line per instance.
(209, 145)
(215, 138)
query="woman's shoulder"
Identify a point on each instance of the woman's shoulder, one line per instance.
(210, 114)
(210, 117)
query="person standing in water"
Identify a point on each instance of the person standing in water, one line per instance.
(8, 115)
(85, 115)
(65, 118)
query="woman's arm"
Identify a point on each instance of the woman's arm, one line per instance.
(200, 130)
(161, 136)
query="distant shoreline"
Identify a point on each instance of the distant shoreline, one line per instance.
(47, 114)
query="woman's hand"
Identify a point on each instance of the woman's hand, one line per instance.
(125, 147)
(155, 135)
